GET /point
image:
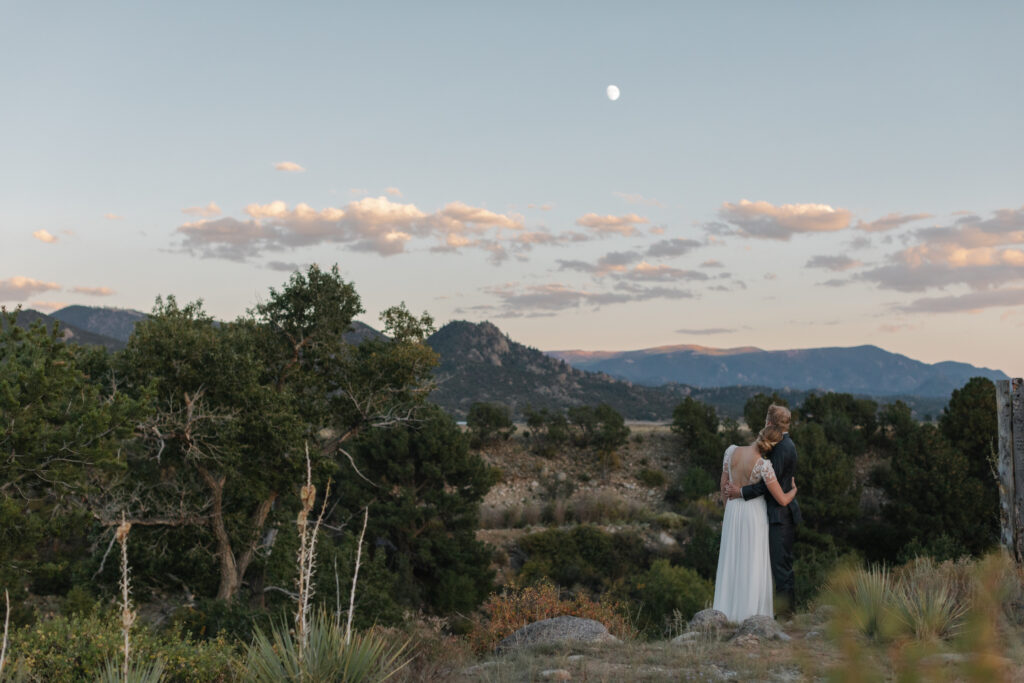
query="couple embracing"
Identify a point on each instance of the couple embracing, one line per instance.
(757, 530)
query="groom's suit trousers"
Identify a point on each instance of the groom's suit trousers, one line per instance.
(781, 536)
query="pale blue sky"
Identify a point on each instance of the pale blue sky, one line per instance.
(486, 128)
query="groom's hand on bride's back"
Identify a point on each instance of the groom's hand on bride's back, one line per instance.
(731, 491)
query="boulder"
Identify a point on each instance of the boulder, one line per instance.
(708, 620)
(762, 627)
(554, 675)
(557, 630)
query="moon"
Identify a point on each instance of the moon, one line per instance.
(613, 92)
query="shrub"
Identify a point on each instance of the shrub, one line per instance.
(697, 424)
(693, 483)
(664, 589)
(651, 478)
(488, 422)
(701, 551)
(509, 611)
(77, 648)
(582, 557)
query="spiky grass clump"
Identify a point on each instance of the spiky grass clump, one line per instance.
(274, 656)
(863, 600)
(115, 672)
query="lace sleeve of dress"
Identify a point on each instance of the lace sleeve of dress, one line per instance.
(727, 458)
(767, 471)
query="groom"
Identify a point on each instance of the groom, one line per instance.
(782, 520)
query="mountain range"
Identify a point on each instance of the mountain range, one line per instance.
(478, 362)
(857, 369)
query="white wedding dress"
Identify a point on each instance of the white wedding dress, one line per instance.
(743, 583)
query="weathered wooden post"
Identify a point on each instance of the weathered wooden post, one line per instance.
(1010, 409)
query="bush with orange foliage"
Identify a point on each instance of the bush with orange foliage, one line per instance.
(514, 608)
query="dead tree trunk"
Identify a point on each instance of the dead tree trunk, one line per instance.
(1010, 409)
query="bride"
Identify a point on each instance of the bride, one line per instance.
(743, 583)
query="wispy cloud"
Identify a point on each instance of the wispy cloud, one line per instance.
(970, 302)
(705, 330)
(392, 192)
(515, 300)
(623, 225)
(112, 216)
(48, 305)
(891, 222)
(637, 198)
(712, 263)
(207, 211)
(19, 288)
(289, 167)
(672, 247)
(94, 291)
(44, 236)
(764, 220)
(838, 263)
(284, 266)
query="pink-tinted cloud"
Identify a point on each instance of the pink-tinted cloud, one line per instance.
(207, 211)
(767, 221)
(623, 225)
(94, 291)
(373, 224)
(112, 216)
(891, 222)
(289, 167)
(637, 198)
(44, 236)
(19, 288)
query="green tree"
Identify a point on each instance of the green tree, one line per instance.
(423, 487)
(829, 491)
(488, 422)
(930, 488)
(969, 423)
(848, 422)
(549, 430)
(61, 432)
(235, 402)
(756, 409)
(599, 427)
(697, 424)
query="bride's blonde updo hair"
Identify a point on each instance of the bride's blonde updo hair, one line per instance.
(767, 438)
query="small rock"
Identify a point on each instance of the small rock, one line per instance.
(574, 658)
(666, 539)
(687, 637)
(824, 613)
(812, 635)
(555, 675)
(761, 626)
(747, 640)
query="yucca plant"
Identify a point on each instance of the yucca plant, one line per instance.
(928, 611)
(115, 672)
(863, 597)
(275, 655)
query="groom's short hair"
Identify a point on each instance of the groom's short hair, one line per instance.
(778, 416)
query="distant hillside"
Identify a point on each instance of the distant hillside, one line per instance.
(859, 370)
(72, 333)
(479, 363)
(116, 323)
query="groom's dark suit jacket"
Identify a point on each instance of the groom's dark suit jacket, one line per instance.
(783, 458)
